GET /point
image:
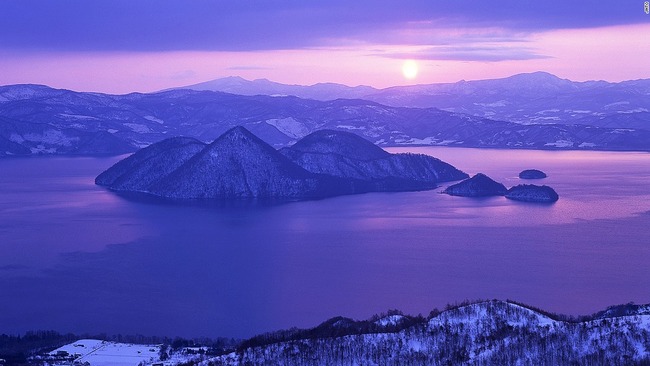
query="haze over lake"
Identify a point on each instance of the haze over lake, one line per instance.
(77, 257)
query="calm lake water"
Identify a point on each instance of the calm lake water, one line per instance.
(76, 257)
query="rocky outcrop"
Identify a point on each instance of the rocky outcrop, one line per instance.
(532, 174)
(532, 193)
(480, 185)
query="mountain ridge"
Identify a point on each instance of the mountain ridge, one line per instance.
(37, 120)
(526, 98)
(485, 332)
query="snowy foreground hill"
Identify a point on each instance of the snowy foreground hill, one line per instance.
(483, 333)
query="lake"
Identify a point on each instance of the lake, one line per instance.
(75, 257)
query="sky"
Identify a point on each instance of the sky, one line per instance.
(122, 46)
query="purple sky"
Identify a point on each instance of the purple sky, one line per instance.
(120, 46)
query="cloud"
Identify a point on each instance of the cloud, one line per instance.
(248, 68)
(183, 75)
(468, 53)
(247, 25)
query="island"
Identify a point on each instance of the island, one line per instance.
(532, 193)
(480, 185)
(238, 165)
(532, 174)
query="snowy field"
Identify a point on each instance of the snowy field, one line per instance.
(103, 353)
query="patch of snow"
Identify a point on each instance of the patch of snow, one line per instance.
(425, 141)
(154, 119)
(415, 345)
(103, 353)
(81, 347)
(390, 320)
(289, 127)
(41, 149)
(541, 320)
(380, 109)
(447, 142)
(53, 137)
(351, 110)
(560, 143)
(621, 130)
(637, 110)
(546, 118)
(111, 130)
(616, 104)
(141, 144)
(348, 127)
(499, 103)
(587, 144)
(548, 111)
(76, 116)
(579, 111)
(136, 127)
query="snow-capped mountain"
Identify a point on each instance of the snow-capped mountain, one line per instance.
(40, 120)
(321, 91)
(484, 333)
(531, 98)
(240, 165)
(536, 98)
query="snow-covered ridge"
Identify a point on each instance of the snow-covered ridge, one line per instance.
(484, 333)
(116, 124)
(489, 332)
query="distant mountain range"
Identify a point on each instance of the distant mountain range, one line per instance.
(240, 165)
(537, 111)
(533, 98)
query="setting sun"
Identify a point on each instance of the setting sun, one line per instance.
(410, 69)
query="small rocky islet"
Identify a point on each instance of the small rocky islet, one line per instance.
(532, 193)
(532, 174)
(480, 185)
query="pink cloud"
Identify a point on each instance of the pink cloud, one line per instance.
(610, 53)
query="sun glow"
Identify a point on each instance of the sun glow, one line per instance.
(410, 69)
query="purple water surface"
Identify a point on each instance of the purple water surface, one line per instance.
(76, 257)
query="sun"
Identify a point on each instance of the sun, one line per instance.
(410, 69)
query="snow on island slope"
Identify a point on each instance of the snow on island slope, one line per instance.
(239, 165)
